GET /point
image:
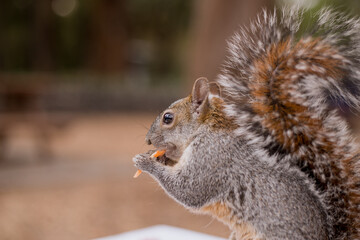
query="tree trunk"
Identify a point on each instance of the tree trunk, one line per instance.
(215, 22)
(108, 41)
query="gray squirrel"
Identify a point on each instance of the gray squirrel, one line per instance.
(261, 148)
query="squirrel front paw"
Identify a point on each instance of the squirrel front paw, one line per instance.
(145, 163)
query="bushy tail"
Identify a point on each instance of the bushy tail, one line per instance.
(278, 84)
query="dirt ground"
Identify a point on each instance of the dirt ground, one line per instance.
(84, 189)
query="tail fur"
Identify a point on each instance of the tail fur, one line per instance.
(278, 85)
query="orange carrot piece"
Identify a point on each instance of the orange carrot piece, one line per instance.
(138, 172)
(158, 153)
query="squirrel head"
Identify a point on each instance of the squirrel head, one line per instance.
(174, 129)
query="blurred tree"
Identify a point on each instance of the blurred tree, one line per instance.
(214, 22)
(108, 40)
(42, 37)
(100, 35)
(15, 29)
(162, 25)
(113, 36)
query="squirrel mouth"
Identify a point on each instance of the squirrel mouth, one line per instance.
(163, 159)
(165, 154)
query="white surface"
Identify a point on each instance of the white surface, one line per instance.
(161, 232)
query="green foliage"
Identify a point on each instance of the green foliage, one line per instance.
(163, 23)
(15, 32)
(349, 7)
(66, 41)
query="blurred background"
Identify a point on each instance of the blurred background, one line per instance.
(80, 83)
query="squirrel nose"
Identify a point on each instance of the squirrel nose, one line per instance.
(148, 141)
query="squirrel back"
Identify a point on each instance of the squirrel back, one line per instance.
(277, 86)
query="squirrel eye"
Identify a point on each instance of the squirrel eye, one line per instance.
(168, 118)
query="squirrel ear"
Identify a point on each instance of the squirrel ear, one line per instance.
(215, 89)
(200, 93)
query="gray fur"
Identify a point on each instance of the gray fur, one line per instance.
(334, 28)
(278, 201)
(342, 33)
(263, 187)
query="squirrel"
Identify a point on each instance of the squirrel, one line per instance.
(261, 147)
